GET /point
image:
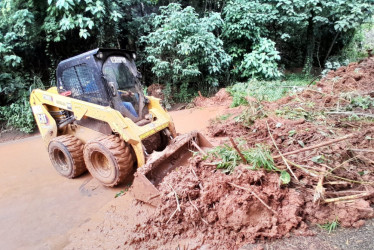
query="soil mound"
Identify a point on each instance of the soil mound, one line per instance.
(222, 210)
(156, 90)
(221, 98)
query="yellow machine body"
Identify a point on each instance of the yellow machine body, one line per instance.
(43, 102)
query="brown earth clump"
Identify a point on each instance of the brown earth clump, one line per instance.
(215, 210)
(156, 90)
(221, 98)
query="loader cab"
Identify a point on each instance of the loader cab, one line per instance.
(107, 77)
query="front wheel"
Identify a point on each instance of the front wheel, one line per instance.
(108, 159)
(66, 154)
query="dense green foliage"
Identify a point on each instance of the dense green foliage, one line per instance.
(185, 44)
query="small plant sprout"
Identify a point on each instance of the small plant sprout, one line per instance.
(330, 226)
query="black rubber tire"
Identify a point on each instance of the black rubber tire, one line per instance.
(66, 154)
(108, 159)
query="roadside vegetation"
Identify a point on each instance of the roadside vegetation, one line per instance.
(186, 46)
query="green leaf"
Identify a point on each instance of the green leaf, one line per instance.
(301, 143)
(285, 177)
(318, 159)
(291, 133)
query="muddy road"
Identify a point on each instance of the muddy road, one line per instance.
(38, 207)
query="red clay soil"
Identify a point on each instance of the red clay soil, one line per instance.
(156, 90)
(204, 208)
(221, 98)
(216, 213)
(221, 215)
(223, 212)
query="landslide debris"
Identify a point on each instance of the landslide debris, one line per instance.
(334, 182)
(202, 207)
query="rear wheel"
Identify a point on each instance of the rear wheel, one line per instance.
(66, 154)
(108, 159)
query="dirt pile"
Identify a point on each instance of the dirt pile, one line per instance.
(336, 178)
(217, 211)
(335, 90)
(221, 98)
(156, 90)
(329, 182)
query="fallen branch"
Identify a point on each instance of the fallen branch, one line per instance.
(255, 195)
(210, 163)
(198, 148)
(319, 192)
(237, 150)
(310, 172)
(349, 197)
(178, 206)
(194, 173)
(349, 180)
(337, 183)
(316, 146)
(176, 197)
(281, 155)
(172, 215)
(350, 113)
(361, 150)
(344, 192)
(342, 164)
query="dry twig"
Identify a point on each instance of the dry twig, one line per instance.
(350, 113)
(176, 197)
(198, 148)
(349, 197)
(172, 215)
(319, 191)
(284, 159)
(237, 150)
(316, 146)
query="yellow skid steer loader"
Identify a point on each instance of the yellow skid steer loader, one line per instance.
(98, 118)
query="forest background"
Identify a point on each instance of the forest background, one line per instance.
(186, 46)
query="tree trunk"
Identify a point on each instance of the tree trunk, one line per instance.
(332, 45)
(310, 47)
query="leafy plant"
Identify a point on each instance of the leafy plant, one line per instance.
(250, 115)
(18, 115)
(183, 48)
(330, 226)
(257, 157)
(295, 113)
(223, 117)
(363, 102)
(261, 62)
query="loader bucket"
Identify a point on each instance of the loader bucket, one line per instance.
(159, 164)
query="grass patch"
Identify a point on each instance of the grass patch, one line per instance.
(223, 117)
(330, 226)
(266, 90)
